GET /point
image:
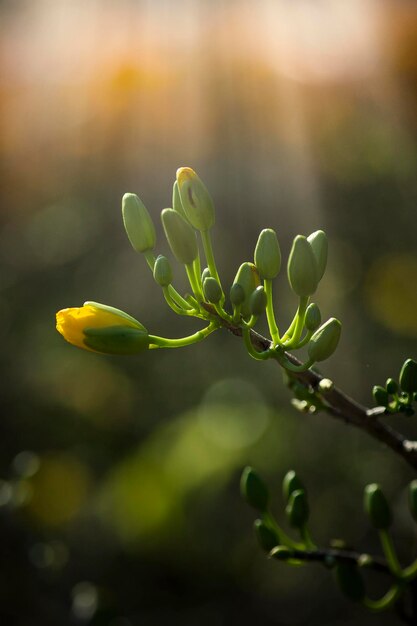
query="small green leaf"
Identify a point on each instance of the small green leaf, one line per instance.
(377, 507)
(380, 395)
(408, 376)
(267, 538)
(254, 490)
(297, 509)
(290, 484)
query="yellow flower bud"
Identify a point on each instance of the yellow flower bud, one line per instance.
(101, 328)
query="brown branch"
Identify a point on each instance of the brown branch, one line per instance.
(342, 407)
(331, 556)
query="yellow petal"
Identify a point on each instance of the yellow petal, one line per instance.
(72, 322)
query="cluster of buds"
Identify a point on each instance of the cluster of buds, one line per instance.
(399, 397)
(346, 563)
(187, 226)
(271, 536)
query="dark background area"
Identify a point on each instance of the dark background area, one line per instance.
(119, 491)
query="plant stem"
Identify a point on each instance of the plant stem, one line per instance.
(410, 572)
(163, 342)
(386, 601)
(284, 539)
(270, 313)
(193, 282)
(390, 554)
(331, 556)
(299, 323)
(259, 356)
(208, 251)
(177, 309)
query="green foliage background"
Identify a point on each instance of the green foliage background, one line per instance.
(127, 510)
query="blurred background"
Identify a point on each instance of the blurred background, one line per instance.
(119, 490)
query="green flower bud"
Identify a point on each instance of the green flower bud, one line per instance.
(297, 509)
(237, 294)
(162, 271)
(268, 254)
(116, 340)
(318, 242)
(313, 317)
(181, 237)
(281, 553)
(412, 499)
(266, 537)
(380, 395)
(408, 376)
(212, 290)
(248, 277)
(257, 301)
(377, 507)
(350, 581)
(205, 274)
(302, 268)
(391, 386)
(254, 490)
(290, 484)
(324, 341)
(138, 224)
(176, 200)
(196, 200)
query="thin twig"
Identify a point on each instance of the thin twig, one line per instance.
(342, 407)
(331, 556)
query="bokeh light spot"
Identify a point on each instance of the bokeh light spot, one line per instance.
(391, 292)
(60, 489)
(233, 414)
(26, 463)
(84, 600)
